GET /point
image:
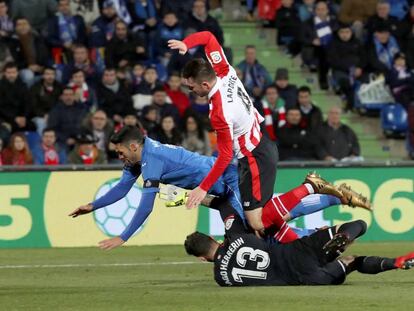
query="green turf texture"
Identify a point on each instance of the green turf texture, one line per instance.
(181, 287)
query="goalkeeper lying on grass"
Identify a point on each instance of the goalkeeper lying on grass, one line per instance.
(173, 165)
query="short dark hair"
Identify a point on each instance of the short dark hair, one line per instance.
(77, 70)
(198, 244)
(51, 68)
(305, 89)
(109, 69)
(158, 89)
(250, 46)
(9, 66)
(47, 129)
(128, 134)
(271, 86)
(199, 70)
(66, 88)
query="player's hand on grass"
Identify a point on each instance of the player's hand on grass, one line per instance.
(111, 243)
(84, 209)
(195, 197)
(178, 45)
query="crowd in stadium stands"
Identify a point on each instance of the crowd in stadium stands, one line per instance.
(73, 72)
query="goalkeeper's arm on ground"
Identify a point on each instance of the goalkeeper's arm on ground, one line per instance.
(119, 191)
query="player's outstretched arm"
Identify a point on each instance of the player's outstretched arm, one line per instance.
(178, 45)
(82, 210)
(212, 48)
(141, 214)
(119, 191)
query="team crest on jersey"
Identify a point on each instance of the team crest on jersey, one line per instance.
(229, 222)
(215, 57)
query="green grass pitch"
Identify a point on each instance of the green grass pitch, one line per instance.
(146, 278)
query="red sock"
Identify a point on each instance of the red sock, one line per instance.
(286, 234)
(276, 208)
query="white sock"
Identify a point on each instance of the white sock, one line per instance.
(310, 188)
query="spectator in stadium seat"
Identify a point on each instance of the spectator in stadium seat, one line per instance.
(18, 151)
(137, 75)
(88, 9)
(401, 81)
(37, 12)
(82, 61)
(66, 118)
(113, 97)
(144, 15)
(306, 9)
(123, 50)
(356, 13)
(169, 29)
(29, 51)
(5, 55)
(65, 29)
(255, 75)
(131, 119)
(295, 142)
(316, 35)
(288, 25)
(6, 23)
(44, 95)
(381, 17)
(337, 141)
(311, 114)
(200, 20)
(347, 59)
(381, 51)
(14, 102)
(173, 88)
(85, 151)
(159, 100)
(274, 111)
(47, 151)
(149, 83)
(150, 118)
(84, 93)
(102, 129)
(103, 28)
(288, 92)
(167, 132)
(195, 137)
(182, 8)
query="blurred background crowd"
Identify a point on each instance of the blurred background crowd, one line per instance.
(73, 72)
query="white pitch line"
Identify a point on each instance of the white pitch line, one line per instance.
(132, 264)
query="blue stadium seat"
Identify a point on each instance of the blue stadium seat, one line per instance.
(394, 120)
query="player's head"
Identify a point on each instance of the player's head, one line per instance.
(128, 144)
(201, 246)
(199, 76)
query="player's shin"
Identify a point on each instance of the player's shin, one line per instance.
(373, 264)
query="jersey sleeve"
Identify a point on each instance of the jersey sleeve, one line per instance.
(141, 214)
(152, 170)
(224, 131)
(120, 190)
(213, 50)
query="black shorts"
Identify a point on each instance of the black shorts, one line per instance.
(257, 175)
(303, 261)
(320, 270)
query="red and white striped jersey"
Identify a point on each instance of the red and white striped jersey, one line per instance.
(233, 116)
